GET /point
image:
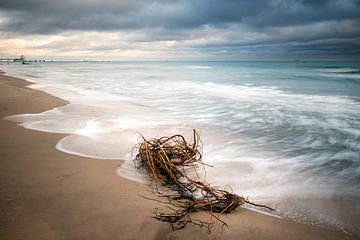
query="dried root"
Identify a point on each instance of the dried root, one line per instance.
(170, 161)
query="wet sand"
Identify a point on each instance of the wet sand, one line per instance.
(47, 194)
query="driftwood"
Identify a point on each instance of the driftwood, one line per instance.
(176, 164)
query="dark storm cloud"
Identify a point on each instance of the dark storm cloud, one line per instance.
(288, 13)
(43, 16)
(294, 24)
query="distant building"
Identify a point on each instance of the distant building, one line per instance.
(21, 59)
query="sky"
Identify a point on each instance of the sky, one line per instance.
(180, 29)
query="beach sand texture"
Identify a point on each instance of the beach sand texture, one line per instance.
(47, 194)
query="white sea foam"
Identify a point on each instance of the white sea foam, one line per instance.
(200, 67)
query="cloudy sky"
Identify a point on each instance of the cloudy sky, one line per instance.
(180, 29)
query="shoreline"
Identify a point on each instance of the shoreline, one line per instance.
(47, 194)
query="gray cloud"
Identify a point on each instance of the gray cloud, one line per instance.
(326, 26)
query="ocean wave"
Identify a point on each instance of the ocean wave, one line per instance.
(343, 70)
(200, 67)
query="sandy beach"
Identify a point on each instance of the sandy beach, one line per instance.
(47, 194)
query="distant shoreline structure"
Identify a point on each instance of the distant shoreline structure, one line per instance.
(21, 60)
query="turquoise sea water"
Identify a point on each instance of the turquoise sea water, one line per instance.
(282, 133)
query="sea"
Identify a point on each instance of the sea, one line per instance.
(282, 133)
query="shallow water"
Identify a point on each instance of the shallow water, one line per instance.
(283, 133)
